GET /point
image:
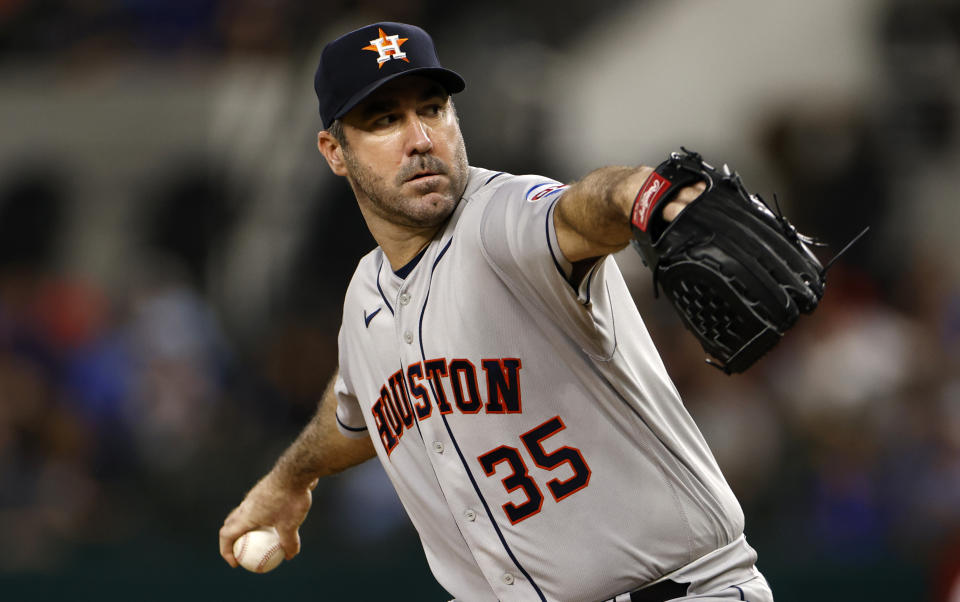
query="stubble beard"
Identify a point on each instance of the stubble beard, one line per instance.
(390, 201)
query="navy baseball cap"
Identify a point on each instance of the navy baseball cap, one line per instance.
(357, 63)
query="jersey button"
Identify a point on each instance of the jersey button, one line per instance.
(470, 515)
(404, 298)
(508, 578)
(408, 337)
(438, 447)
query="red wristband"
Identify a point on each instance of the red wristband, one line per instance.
(647, 199)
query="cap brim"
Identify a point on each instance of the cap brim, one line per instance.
(450, 80)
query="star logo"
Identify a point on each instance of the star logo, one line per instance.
(387, 47)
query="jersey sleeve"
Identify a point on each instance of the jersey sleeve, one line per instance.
(519, 240)
(350, 420)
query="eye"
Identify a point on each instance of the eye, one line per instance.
(433, 109)
(385, 120)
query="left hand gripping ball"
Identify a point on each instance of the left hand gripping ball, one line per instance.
(259, 550)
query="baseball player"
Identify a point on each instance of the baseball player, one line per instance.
(491, 356)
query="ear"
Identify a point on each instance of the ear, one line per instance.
(332, 152)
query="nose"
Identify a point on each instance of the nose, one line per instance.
(418, 137)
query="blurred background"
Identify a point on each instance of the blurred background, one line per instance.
(174, 252)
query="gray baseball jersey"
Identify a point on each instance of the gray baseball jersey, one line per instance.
(529, 427)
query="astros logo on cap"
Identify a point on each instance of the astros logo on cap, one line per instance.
(388, 47)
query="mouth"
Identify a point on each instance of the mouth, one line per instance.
(422, 175)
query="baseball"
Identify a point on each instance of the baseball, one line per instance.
(259, 550)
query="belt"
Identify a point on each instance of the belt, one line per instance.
(661, 591)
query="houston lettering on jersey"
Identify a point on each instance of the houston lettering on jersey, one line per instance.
(445, 385)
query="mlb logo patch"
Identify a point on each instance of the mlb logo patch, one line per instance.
(543, 191)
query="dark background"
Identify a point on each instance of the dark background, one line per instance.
(174, 252)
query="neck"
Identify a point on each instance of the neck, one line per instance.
(399, 243)
(400, 252)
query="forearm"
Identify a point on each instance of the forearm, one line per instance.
(283, 497)
(320, 449)
(592, 217)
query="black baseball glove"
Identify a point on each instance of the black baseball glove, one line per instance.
(738, 274)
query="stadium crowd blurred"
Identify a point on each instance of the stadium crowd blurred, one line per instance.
(141, 399)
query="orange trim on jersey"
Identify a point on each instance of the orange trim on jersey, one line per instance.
(506, 383)
(423, 408)
(436, 369)
(464, 366)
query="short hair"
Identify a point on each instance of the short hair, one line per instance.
(336, 130)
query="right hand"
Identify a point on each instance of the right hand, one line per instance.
(268, 504)
(686, 195)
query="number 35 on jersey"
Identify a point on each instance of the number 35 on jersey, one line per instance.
(456, 384)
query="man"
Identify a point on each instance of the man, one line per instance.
(492, 357)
